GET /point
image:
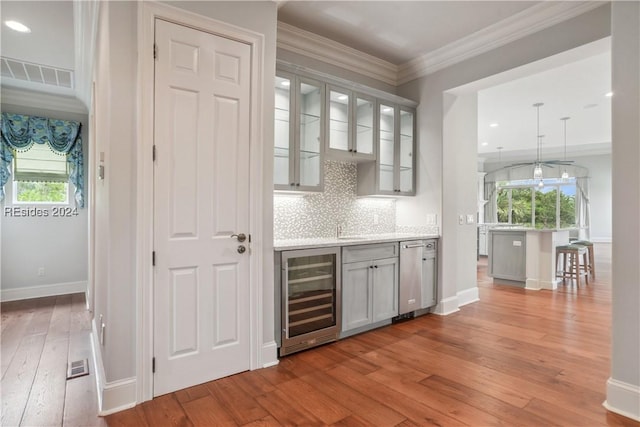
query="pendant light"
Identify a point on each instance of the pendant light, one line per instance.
(565, 174)
(537, 170)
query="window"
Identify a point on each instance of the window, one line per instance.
(40, 176)
(44, 151)
(523, 202)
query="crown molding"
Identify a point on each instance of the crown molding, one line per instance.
(323, 49)
(27, 98)
(527, 22)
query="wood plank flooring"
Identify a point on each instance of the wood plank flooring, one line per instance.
(39, 337)
(516, 358)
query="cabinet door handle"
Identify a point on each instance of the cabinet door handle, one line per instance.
(297, 184)
(424, 259)
(371, 266)
(375, 266)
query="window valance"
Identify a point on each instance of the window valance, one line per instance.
(19, 132)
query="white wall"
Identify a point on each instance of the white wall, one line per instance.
(623, 387)
(459, 131)
(115, 113)
(435, 160)
(59, 245)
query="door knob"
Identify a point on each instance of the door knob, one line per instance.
(241, 237)
(241, 249)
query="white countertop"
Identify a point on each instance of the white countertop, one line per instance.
(323, 242)
(539, 230)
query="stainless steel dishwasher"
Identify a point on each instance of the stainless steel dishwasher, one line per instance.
(411, 258)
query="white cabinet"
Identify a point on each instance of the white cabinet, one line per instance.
(299, 132)
(483, 240)
(369, 286)
(350, 127)
(394, 172)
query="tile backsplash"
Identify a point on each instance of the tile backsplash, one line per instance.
(318, 214)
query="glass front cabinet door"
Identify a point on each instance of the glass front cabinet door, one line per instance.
(350, 130)
(299, 132)
(393, 172)
(406, 174)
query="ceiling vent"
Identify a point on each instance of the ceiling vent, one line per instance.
(36, 73)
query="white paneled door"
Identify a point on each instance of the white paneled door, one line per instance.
(201, 199)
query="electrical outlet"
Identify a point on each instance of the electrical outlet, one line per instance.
(470, 219)
(41, 271)
(461, 219)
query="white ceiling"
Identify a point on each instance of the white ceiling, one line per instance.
(397, 32)
(575, 89)
(50, 41)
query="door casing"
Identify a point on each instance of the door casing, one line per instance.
(147, 14)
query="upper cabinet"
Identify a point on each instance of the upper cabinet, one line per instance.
(350, 128)
(299, 132)
(316, 114)
(393, 173)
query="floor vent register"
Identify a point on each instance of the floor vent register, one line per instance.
(79, 368)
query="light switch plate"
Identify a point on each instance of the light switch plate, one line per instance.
(470, 219)
(461, 219)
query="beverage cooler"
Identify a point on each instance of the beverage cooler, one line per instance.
(309, 298)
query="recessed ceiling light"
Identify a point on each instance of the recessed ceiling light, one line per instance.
(608, 94)
(17, 26)
(342, 97)
(484, 144)
(285, 83)
(493, 125)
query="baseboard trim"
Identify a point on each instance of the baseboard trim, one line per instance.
(447, 306)
(118, 396)
(270, 354)
(468, 296)
(113, 396)
(623, 399)
(15, 294)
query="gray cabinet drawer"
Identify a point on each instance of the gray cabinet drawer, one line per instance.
(369, 252)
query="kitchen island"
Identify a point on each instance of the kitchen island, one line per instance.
(525, 255)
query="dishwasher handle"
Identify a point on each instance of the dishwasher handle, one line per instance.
(416, 245)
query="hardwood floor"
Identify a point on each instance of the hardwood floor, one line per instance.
(39, 337)
(516, 357)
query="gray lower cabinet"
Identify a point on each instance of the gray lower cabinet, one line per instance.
(369, 286)
(507, 255)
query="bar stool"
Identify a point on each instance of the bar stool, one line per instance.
(591, 266)
(571, 255)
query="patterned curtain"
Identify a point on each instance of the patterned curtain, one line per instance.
(20, 132)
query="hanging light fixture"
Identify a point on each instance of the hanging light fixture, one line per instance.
(565, 174)
(537, 169)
